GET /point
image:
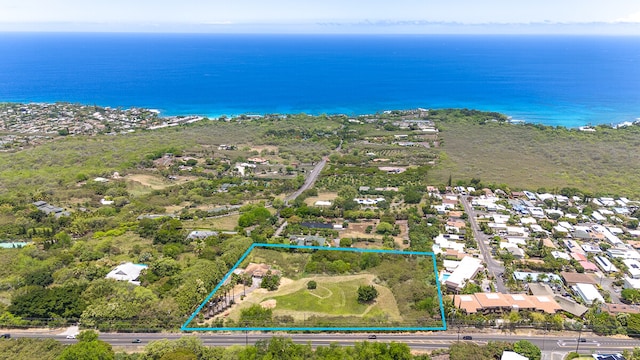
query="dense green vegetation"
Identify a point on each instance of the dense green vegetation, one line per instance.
(191, 347)
(536, 156)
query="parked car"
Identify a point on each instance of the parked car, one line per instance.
(136, 341)
(467, 337)
(71, 336)
(5, 336)
(372, 336)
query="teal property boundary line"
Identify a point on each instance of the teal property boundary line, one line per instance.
(185, 326)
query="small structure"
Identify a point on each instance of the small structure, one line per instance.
(50, 209)
(201, 234)
(307, 240)
(127, 272)
(511, 355)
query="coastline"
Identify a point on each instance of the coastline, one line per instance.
(170, 116)
(553, 81)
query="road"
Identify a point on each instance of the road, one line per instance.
(552, 342)
(313, 175)
(494, 267)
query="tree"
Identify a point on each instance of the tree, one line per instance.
(384, 228)
(270, 281)
(311, 285)
(528, 349)
(631, 295)
(367, 293)
(88, 350)
(255, 316)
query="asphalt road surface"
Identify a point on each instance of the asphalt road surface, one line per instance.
(494, 267)
(419, 341)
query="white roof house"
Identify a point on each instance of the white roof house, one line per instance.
(630, 283)
(511, 355)
(633, 268)
(127, 272)
(201, 234)
(588, 293)
(466, 270)
(623, 253)
(605, 264)
(597, 217)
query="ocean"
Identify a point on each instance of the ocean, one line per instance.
(553, 80)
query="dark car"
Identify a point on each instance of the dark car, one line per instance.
(136, 341)
(5, 336)
(467, 337)
(372, 337)
(582, 340)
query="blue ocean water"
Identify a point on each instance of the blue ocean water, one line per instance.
(554, 80)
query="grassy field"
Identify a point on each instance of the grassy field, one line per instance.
(335, 296)
(226, 222)
(530, 157)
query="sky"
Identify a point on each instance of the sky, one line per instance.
(321, 15)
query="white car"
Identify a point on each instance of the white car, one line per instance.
(71, 336)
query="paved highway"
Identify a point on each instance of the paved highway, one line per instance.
(552, 342)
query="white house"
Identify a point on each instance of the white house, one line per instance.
(466, 270)
(588, 293)
(127, 272)
(605, 264)
(511, 355)
(633, 268)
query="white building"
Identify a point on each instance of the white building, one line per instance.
(630, 283)
(588, 293)
(466, 270)
(633, 268)
(127, 272)
(623, 253)
(511, 355)
(605, 264)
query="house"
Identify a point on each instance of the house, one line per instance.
(466, 270)
(605, 264)
(201, 234)
(127, 272)
(50, 209)
(623, 253)
(608, 356)
(588, 293)
(571, 278)
(633, 268)
(512, 355)
(631, 283)
(588, 266)
(259, 270)
(307, 240)
(570, 306)
(620, 308)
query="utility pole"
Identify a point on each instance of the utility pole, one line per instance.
(578, 342)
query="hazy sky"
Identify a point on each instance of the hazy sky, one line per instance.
(296, 15)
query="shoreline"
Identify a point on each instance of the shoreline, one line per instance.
(161, 113)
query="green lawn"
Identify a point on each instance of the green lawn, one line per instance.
(330, 297)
